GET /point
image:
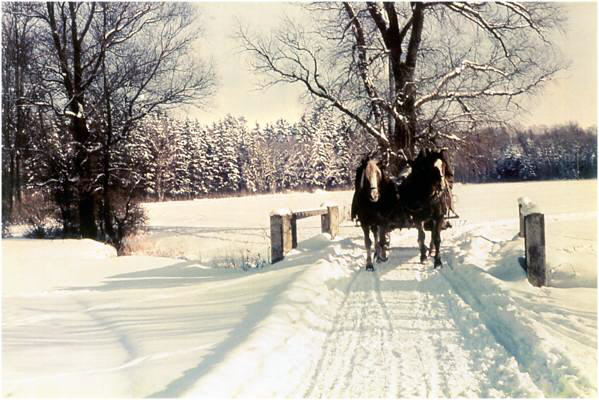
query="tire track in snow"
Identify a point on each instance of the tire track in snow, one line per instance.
(357, 318)
(416, 370)
(372, 357)
(329, 349)
(368, 353)
(363, 354)
(402, 331)
(448, 349)
(355, 356)
(392, 385)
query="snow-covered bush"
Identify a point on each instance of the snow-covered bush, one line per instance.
(38, 212)
(129, 218)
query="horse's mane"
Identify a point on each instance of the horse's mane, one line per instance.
(359, 172)
(418, 185)
(426, 158)
(419, 166)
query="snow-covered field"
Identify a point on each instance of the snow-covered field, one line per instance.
(80, 322)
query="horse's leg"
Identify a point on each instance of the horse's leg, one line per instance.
(367, 243)
(436, 237)
(384, 240)
(383, 244)
(421, 238)
(377, 243)
(386, 237)
(431, 243)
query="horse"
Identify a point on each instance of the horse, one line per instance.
(374, 200)
(425, 195)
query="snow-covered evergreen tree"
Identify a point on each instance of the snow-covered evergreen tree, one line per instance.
(249, 160)
(515, 165)
(280, 139)
(153, 150)
(225, 139)
(180, 184)
(318, 133)
(198, 163)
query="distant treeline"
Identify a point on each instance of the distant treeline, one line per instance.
(181, 159)
(542, 153)
(178, 159)
(168, 158)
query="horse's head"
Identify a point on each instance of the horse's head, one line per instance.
(372, 176)
(430, 168)
(439, 173)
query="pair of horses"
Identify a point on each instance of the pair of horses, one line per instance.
(422, 200)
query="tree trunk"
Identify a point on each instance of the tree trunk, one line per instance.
(18, 163)
(403, 134)
(70, 60)
(107, 208)
(18, 142)
(107, 211)
(87, 200)
(87, 218)
(11, 184)
(159, 193)
(7, 168)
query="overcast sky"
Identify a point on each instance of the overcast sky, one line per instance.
(571, 97)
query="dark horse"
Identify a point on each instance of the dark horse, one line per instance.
(375, 199)
(425, 196)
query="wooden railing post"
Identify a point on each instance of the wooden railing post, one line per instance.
(330, 221)
(280, 235)
(534, 244)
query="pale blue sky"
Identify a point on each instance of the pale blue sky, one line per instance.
(571, 97)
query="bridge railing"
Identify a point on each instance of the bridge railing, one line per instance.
(283, 227)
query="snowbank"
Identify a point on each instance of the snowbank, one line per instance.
(556, 346)
(46, 264)
(286, 340)
(121, 326)
(571, 251)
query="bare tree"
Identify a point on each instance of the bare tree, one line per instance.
(140, 75)
(17, 53)
(411, 73)
(104, 67)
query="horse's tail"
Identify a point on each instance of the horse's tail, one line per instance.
(354, 206)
